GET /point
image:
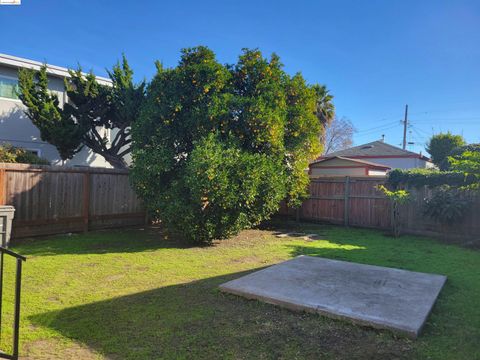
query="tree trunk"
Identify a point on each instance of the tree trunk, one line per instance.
(116, 161)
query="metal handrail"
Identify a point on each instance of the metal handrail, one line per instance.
(18, 286)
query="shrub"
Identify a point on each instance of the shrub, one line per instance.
(222, 191)
(447, 205)
(397, 198)
(428, 177)
(441, 145)
(216, 148)
(468, 163)
(12, 154)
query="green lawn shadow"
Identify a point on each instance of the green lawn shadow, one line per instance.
(195, 320)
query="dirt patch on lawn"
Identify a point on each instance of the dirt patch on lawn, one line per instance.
(54, 349)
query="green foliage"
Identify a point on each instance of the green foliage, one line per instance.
(325, 109)
(458, 152)
(222, 191)
(428, 177)
(11, 154)
(56, 126)
(468, 163)
(397, 198)
(252, 117)
(441, 145)
(91, 106)
(447, 205)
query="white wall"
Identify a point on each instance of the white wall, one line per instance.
(315, 172)
(372, 172)
(401, 163)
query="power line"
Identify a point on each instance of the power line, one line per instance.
(377, 127)
(378, 130)
(472, 119)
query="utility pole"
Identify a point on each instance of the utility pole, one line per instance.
(405, 124)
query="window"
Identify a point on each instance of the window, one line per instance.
(8, 87)
(37, 152)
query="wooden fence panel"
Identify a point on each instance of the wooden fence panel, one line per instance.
(50, 200)
(325, 201)
(358, 202)
(367, 205)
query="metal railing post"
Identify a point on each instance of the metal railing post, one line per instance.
(18, 287)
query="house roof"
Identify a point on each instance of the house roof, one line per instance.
(375, 149)
(53, 70)
(368, 164)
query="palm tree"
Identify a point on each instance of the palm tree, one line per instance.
(325, 110)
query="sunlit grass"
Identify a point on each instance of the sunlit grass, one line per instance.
(135, 295)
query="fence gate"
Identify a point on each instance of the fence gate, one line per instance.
(18, 285)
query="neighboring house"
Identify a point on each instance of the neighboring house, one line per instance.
(17, 129)
(372, 159)
(342, 166)
(385, 154)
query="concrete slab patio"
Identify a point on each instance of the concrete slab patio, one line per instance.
(376, 296)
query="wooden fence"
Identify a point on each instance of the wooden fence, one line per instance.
(357, 202)
(52, 200)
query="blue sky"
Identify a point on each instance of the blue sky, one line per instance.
(375, 56)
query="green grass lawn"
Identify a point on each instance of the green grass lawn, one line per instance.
(132, 294)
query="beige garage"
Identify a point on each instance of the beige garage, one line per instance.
(343, 166)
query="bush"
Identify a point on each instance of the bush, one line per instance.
(429, 177)
(447, 205)
(222, 191)
(441, 145)
(397, 198)
(458, 154)
(468, 163)
(11, 154)
(216, 148)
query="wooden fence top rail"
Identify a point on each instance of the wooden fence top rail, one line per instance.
(342, 179)
(60, 169)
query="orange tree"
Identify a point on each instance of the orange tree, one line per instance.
(217, 147)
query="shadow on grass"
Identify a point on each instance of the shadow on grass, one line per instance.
(128, 240)
(195, 320)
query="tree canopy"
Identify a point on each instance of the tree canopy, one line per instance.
(217, 147)
(91, 106)
(441, 145)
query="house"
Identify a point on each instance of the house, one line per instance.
(372, 159)
(17, 129)
(343, 166)
(382, 153)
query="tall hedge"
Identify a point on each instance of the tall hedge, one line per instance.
(217, 147)
(428, 177)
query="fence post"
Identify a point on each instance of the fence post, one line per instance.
(347, 200)
(3, 187)
(86, 200)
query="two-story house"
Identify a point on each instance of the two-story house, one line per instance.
(17, 129)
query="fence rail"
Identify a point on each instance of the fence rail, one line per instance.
(357, 202)
(50, 200)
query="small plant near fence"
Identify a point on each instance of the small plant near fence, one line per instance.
(447, 205)
(397, 198)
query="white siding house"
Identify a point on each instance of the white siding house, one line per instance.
(379, 152)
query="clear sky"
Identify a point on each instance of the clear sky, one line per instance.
(375, 56)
